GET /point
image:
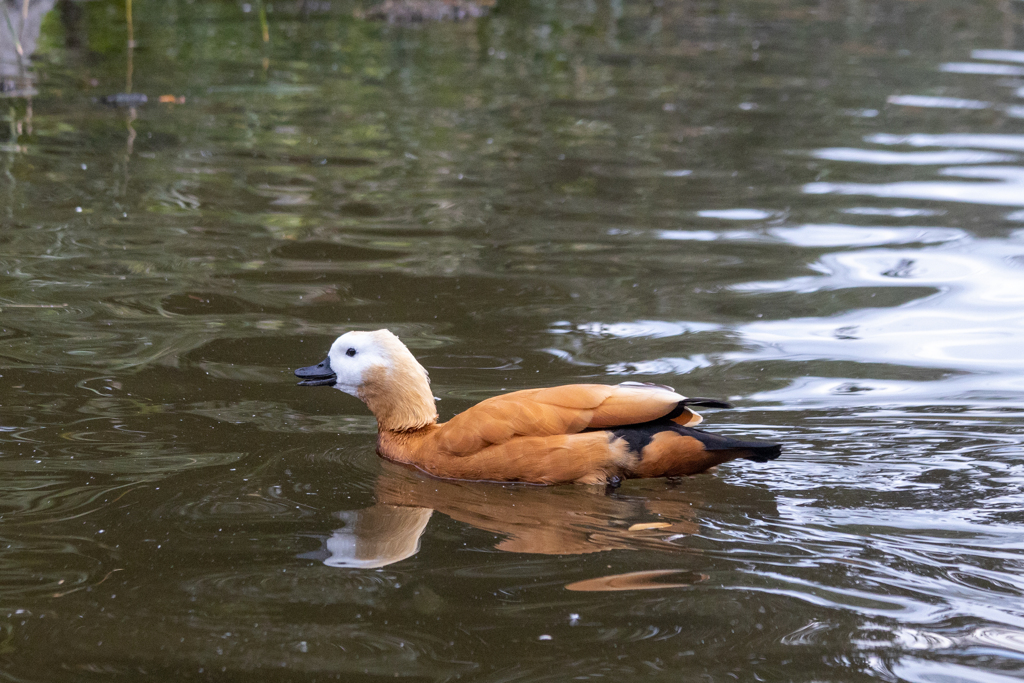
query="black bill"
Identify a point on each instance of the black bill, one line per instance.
(317, 375)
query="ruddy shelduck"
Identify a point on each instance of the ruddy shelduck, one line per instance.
(579, 433)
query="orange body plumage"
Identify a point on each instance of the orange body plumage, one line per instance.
(581, 433)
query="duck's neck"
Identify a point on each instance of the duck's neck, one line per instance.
(408, 447)
(400, 399)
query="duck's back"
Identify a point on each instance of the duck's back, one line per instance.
(568, 409)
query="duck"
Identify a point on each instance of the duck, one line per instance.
(576, 433)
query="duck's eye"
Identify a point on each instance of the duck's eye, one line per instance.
(350, 352)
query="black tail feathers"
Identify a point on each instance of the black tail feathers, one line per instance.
(760, 451)
(705, 402)
(763, 452)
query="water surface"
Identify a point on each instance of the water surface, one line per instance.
(814, 210)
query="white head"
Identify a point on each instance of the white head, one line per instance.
(353, 357)
(377, 368)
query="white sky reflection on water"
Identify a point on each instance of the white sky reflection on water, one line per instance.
(964, 320)
(895, 212)
(999, 55)
(967, 324)
(651, 329)
(736, 214)
(937, 102)
(972, 324)
(1009, 191)
(886, 157)
(982, 69)
(1013, 143)
(704, 235)
(833, 235)
(826, 235)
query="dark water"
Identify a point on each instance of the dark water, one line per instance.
(813, 209)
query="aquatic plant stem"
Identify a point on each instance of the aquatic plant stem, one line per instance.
(261, 10)
(14, 34)
(24, 22)
(131, 45)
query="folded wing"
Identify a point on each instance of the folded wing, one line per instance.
(566, 409)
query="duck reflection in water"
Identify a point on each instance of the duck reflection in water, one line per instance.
(531, 519)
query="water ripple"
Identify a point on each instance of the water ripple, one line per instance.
(874, 156)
